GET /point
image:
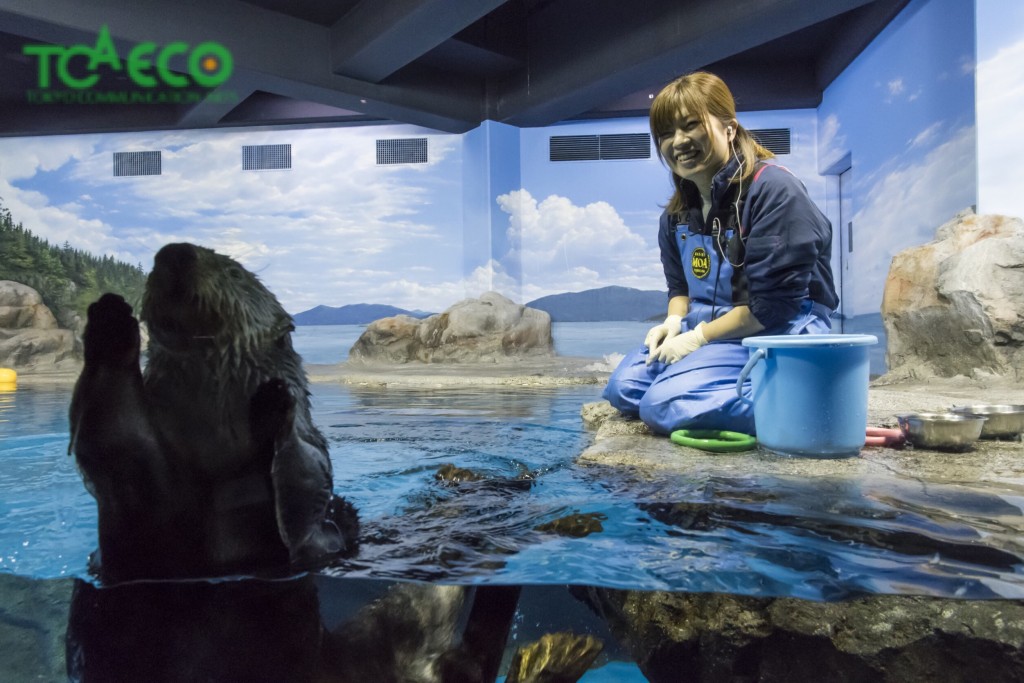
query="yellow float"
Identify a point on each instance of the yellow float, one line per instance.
(8, 379)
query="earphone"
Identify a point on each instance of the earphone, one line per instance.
(736, 208)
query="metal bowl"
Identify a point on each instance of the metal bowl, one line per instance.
(1004, 421)
(941, 431)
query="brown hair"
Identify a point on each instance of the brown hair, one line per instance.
(703, 95)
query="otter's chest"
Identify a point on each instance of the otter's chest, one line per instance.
(204, 423)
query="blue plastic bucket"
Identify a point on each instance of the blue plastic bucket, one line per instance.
(810, 392)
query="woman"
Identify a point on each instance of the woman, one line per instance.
(745, 252)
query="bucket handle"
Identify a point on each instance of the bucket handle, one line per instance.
(754, 357)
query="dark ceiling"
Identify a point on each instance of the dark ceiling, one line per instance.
(442, 64)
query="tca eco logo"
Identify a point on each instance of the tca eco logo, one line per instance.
(77, 68)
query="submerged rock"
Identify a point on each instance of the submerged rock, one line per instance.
(485, 330)
(576, 525)
(555, 658)
(29, 335)
(955, 306)
(716, 637)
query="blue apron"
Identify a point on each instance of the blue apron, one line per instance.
(699, 391)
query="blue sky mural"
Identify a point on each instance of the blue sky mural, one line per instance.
(338, 229)
(335, 229)
(588, 224)
(904, 111)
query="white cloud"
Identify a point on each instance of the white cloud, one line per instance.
(562, 247)
(24, 157)
(901, 211)
(895, 87)
(999, 103)
(926, 136)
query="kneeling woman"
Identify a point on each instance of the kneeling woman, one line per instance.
(745, 252)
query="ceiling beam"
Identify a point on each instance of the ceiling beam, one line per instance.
(279, 51)
(376, 38)
(620, 47)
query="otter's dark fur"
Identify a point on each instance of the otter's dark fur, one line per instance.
(208, 462)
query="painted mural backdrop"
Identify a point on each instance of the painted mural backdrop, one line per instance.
(336, 228)
(904, 112)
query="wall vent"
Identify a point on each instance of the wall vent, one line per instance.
(402, 151)
(599, 147)
(266, 157)
(774, 139)
(137, 163)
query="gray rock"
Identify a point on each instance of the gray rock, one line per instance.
(955, 306)
(30, 338)
(490, 329)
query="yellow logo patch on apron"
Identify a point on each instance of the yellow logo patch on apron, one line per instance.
(700, 263)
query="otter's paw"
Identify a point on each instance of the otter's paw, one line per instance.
(344, 516)
(271, 411)
(111, 334)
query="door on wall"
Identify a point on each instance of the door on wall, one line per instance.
(846, 249)
(855, 322)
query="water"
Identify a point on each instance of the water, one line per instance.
(771, 536)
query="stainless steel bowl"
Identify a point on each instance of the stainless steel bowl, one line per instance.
(941, 431)
(1004, 421)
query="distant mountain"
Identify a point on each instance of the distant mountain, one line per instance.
(353, 314)
(606, 303)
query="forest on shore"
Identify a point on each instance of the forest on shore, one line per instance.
(68, 279)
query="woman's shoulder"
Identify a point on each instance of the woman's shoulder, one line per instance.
(775, 180)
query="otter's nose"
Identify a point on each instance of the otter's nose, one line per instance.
(176, 258)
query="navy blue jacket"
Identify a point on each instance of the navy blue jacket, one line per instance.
(788, 244)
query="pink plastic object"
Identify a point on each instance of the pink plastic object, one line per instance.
(885, 438)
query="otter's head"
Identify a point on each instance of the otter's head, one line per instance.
(196, 298)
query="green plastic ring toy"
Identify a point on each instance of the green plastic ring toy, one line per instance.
(714, 440)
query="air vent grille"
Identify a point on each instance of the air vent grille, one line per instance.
(625, 146)
(773, 139)
(266, 157)
(137, 163)
(402, 151)
(599, 147)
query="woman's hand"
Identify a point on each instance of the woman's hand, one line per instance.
(659, 334)
(679, 346)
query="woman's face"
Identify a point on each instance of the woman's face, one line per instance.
(694, 152)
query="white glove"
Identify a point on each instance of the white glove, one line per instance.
(662, 333)
(679, 346)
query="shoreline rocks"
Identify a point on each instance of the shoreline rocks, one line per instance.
(955, 306)
(30, 337)
(490, 329)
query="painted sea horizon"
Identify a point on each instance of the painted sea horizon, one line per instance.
(329, 344)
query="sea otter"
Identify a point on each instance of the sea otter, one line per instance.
(207, 462)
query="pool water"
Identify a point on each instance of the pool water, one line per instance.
(536, 517)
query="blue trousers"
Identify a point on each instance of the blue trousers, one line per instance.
(697, 391)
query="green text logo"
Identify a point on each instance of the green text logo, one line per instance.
(147, 64)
